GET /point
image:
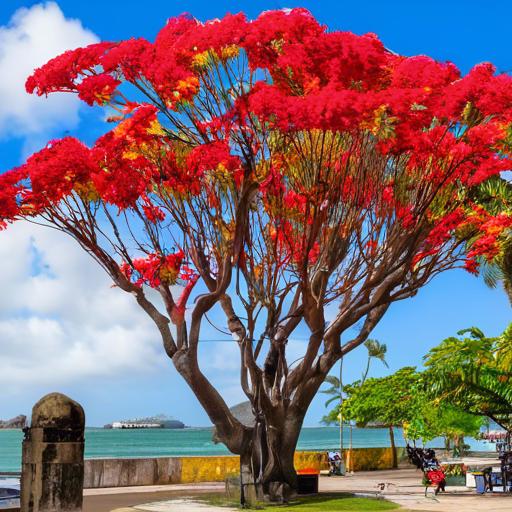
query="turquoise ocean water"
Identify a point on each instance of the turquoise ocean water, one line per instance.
(101, 443)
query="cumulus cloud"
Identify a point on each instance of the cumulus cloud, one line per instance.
(60, 318)
(31, 38)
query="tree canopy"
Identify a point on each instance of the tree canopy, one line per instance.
(385, 401)
(403, 399)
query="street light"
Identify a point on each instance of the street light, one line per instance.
(340, 416)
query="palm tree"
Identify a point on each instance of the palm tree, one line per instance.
(336, 390)
(376, 350)
(495, 196)
(473, 372)
(333, 390)
(499, 270)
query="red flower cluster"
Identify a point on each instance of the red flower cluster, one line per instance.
(154, 270)
(54, 172)
(399, 130)
(97, 89)
(124, 157)
(490, 230)
(442, 231)
(153, 214)
(129, 57)
(117, 170)
(213, 156)
(292, 246)
(62, 72)
(9, 196)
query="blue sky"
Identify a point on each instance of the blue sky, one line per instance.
(86, 341)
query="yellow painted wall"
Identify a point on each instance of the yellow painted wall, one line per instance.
(175, 470)
(368, 459)
(208, 469)
(216, 469)
(313, 460)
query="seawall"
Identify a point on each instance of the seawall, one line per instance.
(183, 470)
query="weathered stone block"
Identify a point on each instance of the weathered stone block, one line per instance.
(53, 457)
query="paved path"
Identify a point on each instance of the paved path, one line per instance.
(404, 487)
(121, 498)
(401, 486)
(178, 505)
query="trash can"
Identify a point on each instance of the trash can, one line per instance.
(307, 482)
(480, 482)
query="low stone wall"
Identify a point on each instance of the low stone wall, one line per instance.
(183, 470)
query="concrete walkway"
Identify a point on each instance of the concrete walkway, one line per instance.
(404, 487)
(122, 498)
(401, 486)
(176, 505)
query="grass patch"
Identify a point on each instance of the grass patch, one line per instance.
(327, 503)
(323, 503)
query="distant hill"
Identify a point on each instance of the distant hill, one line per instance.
(17, 422)
(243, 413)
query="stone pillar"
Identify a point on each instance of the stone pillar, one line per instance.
(53, 456)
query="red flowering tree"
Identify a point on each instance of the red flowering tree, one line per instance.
(297, 178)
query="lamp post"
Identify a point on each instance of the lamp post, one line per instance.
(342, 462)
(341, 408)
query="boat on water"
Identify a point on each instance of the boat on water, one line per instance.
(160, 421)
(135, 424)
(9, 492)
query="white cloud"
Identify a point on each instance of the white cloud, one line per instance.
(61, 320)
(32, 37)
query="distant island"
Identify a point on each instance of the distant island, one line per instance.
(17, 422)
(160, 421)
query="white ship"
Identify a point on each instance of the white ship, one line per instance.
(135, 424)
(160, 421)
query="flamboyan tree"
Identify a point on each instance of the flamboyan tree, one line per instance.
(287, 176)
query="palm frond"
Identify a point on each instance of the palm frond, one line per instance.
(331, 400)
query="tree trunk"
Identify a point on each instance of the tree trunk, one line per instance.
(393, 447)
(267, 462)
(266, 449)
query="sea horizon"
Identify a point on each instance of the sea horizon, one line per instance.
(101, 443)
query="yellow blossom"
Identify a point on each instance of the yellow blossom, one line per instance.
(203, 59)
(87, 191)
(131, 155)
(228, 52)
(168, 274)
(155, 128)
(121, 129)
(382, 124)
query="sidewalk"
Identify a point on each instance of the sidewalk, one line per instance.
(402, 486)
(176, 505)
(107, 499)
